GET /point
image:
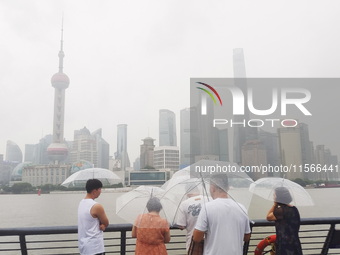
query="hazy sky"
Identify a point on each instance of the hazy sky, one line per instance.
(128, 59)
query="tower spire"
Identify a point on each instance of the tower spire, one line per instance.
(61, 52)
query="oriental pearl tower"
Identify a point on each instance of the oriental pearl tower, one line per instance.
(57, 151)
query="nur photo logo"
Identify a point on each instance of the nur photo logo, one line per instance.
(211, 92)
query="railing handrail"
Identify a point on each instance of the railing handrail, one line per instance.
(128, 227)
(124, 228)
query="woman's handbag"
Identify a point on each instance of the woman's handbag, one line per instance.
(196, 248)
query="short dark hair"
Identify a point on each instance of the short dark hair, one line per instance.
(154, 205)
(93, 184)
(220, 181)
(283, 195)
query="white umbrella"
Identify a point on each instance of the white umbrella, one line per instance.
(80, 178)
(133, 203)
(265, 188)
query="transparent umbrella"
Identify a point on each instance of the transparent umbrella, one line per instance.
(133, 203)
(265, 188)
(188, 181)
(79, 178)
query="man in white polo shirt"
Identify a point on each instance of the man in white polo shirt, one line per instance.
(223, 222)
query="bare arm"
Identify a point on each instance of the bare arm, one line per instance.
(246, 237)
(198, 235)
(97, 211)
(134, 231)
(167, 237)
(270, 214)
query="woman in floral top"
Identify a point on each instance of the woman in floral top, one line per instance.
(151, 231)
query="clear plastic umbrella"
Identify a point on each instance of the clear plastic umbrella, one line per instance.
(265, 188)
(189, 181)
(79, 178)
(133, 203)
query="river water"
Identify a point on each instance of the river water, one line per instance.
(60, 209)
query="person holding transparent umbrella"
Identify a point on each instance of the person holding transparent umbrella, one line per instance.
(287, 223)
(222, 223)
(189, 210)
(151, 231)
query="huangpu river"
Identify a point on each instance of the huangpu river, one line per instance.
(60, 209)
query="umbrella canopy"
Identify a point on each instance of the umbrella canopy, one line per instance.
(79, 178)
(188, 181)
(265, 188)
(133, 203)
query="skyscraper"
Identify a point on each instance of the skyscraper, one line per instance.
(241, 134)
(254, 154)
(167, 128)
(13, 152)
(84, 147)
(121, 154)
(58, 151)
(103, 149)
(190, 140)
(290, 150)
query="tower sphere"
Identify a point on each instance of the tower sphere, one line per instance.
(57, 151)
(60, 81)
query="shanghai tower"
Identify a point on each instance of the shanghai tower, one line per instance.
(58, 151)
(241, 134)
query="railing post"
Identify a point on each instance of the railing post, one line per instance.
(23, 246)
(328, 240)
(122, 242)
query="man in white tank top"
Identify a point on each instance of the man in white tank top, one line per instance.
(92, 221)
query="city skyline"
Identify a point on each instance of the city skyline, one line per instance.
(124, 68)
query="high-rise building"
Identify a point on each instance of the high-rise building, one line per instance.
(325, 160)
(6, 168)
(290, 150)
(167, 128)
(103, 153)
(320, 158)
(13, 152)
(58, 150)
(185, 133)
(41, 153)
(241, 134)
(271, 143)
(223, 141)
(254, 154)
(147, 153)
(90, 147)
(84, 147)
(307, 150)
(29, 152)
(121, 154)
(208, 135)
(166, 157)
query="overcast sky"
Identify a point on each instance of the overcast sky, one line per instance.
(128, 59)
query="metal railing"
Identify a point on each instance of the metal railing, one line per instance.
(317, 235)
